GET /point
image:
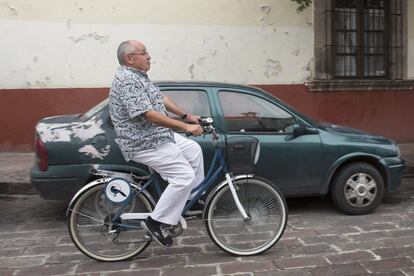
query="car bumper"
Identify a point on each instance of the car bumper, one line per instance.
(60, 182)
(395, 167)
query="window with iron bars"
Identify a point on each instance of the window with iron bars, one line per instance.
(360, 39)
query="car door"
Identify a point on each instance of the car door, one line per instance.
(292, 162)
(195, 100)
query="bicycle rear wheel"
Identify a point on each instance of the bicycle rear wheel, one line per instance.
(267, 211)
(93, 233)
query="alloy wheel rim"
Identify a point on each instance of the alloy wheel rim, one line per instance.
(360, 190)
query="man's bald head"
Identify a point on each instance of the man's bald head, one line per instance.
(133, 53)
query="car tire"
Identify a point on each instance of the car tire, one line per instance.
(357, 188)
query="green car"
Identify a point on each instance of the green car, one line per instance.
(302, 157)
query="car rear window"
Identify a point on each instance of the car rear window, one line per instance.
(94, 110)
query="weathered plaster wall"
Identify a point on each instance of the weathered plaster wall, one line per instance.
(56, 43)
(410, 36)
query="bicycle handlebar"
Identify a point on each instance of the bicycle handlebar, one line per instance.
(207, 124)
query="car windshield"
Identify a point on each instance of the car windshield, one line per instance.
(94, 110)
(306, 118)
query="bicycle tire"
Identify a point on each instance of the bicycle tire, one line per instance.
(267, 211)
(89, 222)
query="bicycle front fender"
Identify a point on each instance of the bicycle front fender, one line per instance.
(223, 183)
(98, 182)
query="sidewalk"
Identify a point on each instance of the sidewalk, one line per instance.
(407, 152)
(15, 169)
(15, 172)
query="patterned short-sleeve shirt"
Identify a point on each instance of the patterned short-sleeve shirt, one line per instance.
(131, 95)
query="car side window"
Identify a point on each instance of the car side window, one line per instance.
(193, 101)
(249, 113)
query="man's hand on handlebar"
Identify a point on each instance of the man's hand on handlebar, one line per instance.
(195, 130)
(192, 119)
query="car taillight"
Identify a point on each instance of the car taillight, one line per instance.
(41, 154)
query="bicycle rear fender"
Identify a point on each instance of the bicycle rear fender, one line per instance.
(100, 181)
(223, 183)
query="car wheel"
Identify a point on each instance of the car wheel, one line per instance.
(357, 188)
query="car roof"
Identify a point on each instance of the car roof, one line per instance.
(205, 84)
(217, 85)
(231, 86)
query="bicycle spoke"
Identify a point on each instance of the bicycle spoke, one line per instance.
(267, 212)
(82, 214)
(92, 231)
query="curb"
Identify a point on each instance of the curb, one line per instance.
(17, 188)
(409, 171)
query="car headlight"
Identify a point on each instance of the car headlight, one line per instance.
(397, 149)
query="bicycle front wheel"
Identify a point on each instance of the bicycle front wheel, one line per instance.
(92, 231)
(267, 211)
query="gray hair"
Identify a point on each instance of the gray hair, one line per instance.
(125, 48)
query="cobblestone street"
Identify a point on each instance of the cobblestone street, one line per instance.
(318, 241)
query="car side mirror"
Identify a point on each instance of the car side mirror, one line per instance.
(300, 129)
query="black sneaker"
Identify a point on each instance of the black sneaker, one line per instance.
(158, 231)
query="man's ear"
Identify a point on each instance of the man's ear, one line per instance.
(128, 59)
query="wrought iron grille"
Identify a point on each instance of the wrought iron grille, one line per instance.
(365, 34)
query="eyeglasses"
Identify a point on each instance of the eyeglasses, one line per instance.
(145, 53)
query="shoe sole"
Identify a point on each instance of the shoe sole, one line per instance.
(143, 225)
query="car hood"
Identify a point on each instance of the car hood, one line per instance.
(355, 134)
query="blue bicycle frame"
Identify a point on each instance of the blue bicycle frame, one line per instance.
(218, 165)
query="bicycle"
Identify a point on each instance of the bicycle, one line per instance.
(244, 214)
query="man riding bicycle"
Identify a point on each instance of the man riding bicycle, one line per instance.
(144, 135)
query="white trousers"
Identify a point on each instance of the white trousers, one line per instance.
(182, 165)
